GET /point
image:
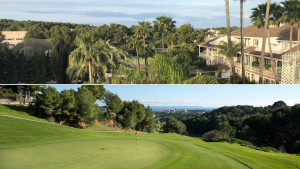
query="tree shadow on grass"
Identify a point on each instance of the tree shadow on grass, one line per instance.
(16, 107)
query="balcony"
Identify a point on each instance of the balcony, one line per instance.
(257, 70)
(214, 56)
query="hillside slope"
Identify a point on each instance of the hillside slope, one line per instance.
(31, 144)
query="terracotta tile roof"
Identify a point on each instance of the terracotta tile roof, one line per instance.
(207, 43)
(267, 55)
(251, 50)
(283, 32)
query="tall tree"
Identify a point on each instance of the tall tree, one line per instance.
(143, 30)
(62, 44)
(117, 56)
(262, 57)
(48, 103)
(135, 43)
(171, 37)
(148, 123)
(163, 24)
(84, 53)
(86, 108)
(113, 103)
(89, 53)
(229, 41)
(186, 34)
(242, 39)
(290, 16)
(97, 90)
(29, 90)
(258, 19)
(68, 107)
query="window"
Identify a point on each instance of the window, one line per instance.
(267, 62)
(248, 76)
(266, 81)
(248, 61)
(255, 42)
(279, 64)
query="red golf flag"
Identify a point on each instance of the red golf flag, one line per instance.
(136, 133)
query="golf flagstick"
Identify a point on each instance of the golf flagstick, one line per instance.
(136, 139)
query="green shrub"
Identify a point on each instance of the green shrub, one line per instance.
(255, 63)
(212, 135)
(268, 66)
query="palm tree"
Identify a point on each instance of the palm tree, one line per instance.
(163, 24)
(258, 19)
(135, 43)
(229, 41)
(171, 37)
(290, 16)
(262, 57)
(117, 56)
(224, 48)
(88, 54)
(143, 30)
(242, 39)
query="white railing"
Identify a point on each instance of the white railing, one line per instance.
(215, 57)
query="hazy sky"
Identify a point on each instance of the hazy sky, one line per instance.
(204, 95)
(200, 13)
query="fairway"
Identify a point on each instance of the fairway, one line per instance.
(30, 144)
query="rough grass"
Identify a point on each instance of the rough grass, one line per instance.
(28, 144)
(98, 127)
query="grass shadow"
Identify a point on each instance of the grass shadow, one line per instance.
(16, 107)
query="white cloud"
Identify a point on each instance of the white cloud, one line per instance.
(128, 11)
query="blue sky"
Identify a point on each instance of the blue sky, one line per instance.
(204, 95)
(200, 13)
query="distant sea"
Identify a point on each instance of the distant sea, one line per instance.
(155, 108)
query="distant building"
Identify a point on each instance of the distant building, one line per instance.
(13, 37)
(214, 32)
(253, 38)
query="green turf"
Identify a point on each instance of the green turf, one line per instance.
(142, 60)
(97, 127)
(28, 144)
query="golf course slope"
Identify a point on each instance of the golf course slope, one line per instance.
(29, 142)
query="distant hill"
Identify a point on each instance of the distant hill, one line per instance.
(155, 108)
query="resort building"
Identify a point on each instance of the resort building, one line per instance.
(253, 38)
(13, 37)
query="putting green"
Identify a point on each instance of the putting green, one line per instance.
(94, 153)
(114, 153)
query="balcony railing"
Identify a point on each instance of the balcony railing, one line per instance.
(215, 57)
(257, 70)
